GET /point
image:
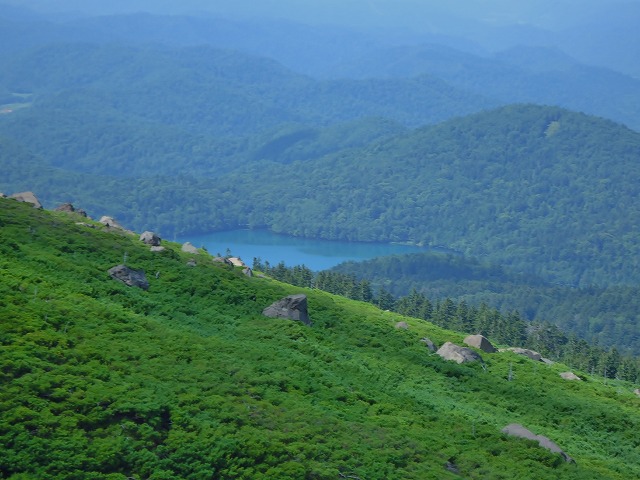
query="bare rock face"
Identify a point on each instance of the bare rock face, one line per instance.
(527, 353)
(222, 261)
(27, 197)
(150, 238)
(480, 342)
(188, 247)
(402, 326)
(110, 222)
(293, 307)
(570, 376)
(451, 351)
(237, 262)
(129, 276)
(157, 249)
(69, 208)
(247, 272)
(429, 344)
(517, 430)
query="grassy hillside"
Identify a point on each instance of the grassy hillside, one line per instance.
(189, 380)
(607, 316)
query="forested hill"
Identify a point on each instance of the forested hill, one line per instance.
(188, 379)
(546, 190)
(542, 189)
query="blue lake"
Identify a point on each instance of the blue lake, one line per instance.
(275, 248)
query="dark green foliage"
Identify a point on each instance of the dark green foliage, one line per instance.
(607, 315)
(188, 380)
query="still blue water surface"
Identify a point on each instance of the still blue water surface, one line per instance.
(275, 248)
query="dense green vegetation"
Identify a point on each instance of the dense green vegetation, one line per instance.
(539, 189)
(189, 380)
(178, 138)
(607, 316)
(478, 317)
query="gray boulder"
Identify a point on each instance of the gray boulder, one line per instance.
(157, 249)
(451, 351)
(69, 208)
(110, 222)
(570, 376)
(129, 276)
(27, 197)
(292, 307)
(247, 271)
(402, 326)
(526, 352)
(189, 248)
(223, 261)
(150, 238)
(480, 342)
(517, 430)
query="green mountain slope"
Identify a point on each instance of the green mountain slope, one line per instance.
(607, 316)
(188, 380)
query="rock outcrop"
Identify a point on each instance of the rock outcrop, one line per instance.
(247, 272)
(223, 261)
(150, 238)
(525, 352)
(292, 307)
(157, 249)
(129, 276)
(570, 376)
(110, 222)
(27, 197)
(480, 342)
(237, 262)
(451, 351)
(188, 247)
(69, 208)
(402, 326)
(517, 430)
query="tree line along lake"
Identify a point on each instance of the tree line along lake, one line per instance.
(316, 254)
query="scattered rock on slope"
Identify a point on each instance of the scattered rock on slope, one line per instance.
(526, 352)
(150, 238)
(27, 197)
(451, 351)
(69, 208)
(129, 276)
(570, 376)
(188, 247)
(480, 342)
(293, 307)
(110, 222)
(517, 430)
